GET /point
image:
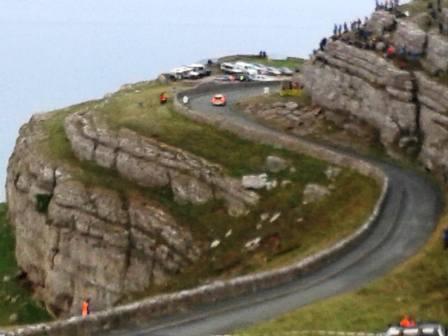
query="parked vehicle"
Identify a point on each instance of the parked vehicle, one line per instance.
(286, 71)
(274, 71)
(262, 69)
(184, 73)
(229, 68)
(247, 68)
(201, 69)
(225, 78)
(262, 78)
(218, 100)
(422, 329)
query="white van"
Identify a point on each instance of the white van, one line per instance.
(229, 68)
(247, 68)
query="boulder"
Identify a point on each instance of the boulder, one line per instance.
(291, 106)
(275, 164)
(314, 193)
(255, 181)
(411, 37)
(437, 54)
(380, 22)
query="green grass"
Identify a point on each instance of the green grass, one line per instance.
(323, 223)
(140, 111)
(418, 287)
(27, 310)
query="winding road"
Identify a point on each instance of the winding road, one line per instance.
(407, 220)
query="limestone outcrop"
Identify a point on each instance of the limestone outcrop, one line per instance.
(151, 163)
(362, 83)
(408, 106)
(433, 98)
(75, 240)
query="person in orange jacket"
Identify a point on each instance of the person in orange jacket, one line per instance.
(85, 308)
(163, 98)
(407, 322)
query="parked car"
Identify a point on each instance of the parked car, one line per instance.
(286, 71)
(274, 71)
(225, 78)
(422, 329)
(262, 69)
(184, 73)
(201, 69)
(262, 78)
(229, 68)
(247, 68)
(218, 100)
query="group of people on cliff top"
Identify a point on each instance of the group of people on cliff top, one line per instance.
(388, 5)
(338, 30)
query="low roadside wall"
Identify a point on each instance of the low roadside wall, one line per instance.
(138, 313)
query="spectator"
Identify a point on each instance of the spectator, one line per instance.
(345, 27)
(405, 322)
(322, 44)
(335, 30)
(445, 238)
(340, 30)
(85, 309)
(390, 52)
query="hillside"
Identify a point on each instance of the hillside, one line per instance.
(121, 198)
(402, 102)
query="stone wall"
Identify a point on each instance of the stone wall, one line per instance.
(151, 163)
(76, 241)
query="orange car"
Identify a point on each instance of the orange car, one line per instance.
(218, 100)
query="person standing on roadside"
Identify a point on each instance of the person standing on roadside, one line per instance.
(85, 308)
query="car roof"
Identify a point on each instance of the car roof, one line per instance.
(197, 65)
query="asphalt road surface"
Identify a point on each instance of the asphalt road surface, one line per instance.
(408, 218)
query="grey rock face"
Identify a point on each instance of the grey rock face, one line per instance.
(365, 85)
(189, 189)
(150, 163)
(91, 241)
(380, 22)
(437, 54)
(411, 37)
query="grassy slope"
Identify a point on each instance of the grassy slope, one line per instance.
(27, 310)
(418, 287)
(323, 223)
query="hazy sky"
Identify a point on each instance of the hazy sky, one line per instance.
(57, 52)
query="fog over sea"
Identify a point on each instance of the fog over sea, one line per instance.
(54, 53)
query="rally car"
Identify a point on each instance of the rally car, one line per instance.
(218, 100)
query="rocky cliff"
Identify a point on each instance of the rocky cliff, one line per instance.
(402, 98)
(151, 163)
(75, 240)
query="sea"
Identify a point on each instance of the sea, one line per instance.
(54, 53)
